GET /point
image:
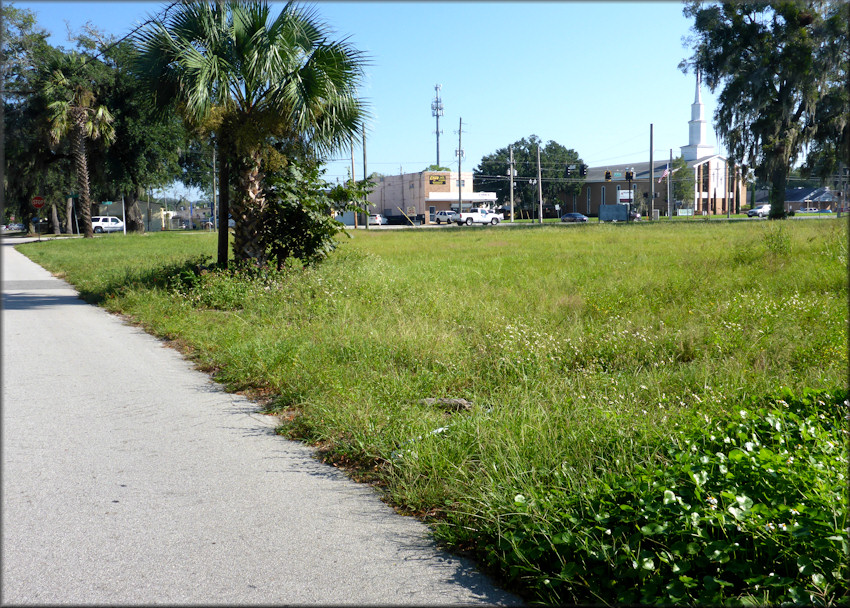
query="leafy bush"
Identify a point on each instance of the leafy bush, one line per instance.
(298, 223)
(748, 510)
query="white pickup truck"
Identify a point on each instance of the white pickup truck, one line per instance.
(477, 215)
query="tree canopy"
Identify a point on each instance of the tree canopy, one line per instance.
(777, 64)
(263, 84)
(491, 175)
(683, 181)
(50, 90)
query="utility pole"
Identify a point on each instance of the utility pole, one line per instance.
(437, 111)
(459, 159)
(539, 188)
(401, 179)
(352, 180)
(511, 169)
(651, 176)
(365, 177)
(669, 187)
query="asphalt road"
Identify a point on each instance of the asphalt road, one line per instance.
(131, 478)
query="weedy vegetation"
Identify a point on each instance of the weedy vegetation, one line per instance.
(658, 411)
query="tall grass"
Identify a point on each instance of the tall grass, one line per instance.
(582, 349)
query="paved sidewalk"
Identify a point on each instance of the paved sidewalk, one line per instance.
(130, 478)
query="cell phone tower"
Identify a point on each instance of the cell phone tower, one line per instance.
(437, 111)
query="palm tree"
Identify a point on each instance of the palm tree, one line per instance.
(255, 81)
(75, 113)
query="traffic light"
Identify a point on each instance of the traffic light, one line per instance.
(567, 172)
(582, 170)
(629, 176)
(607, 176)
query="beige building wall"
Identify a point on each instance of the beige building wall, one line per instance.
(409, 193)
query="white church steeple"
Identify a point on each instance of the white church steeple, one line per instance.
(697, 148)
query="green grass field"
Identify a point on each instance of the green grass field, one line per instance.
(589, 354)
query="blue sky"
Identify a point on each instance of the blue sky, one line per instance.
(592, 76)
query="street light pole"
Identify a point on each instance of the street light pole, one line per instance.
(669, 189)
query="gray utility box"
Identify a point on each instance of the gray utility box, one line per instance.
(614, 213)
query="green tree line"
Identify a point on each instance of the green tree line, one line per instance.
(270, 93)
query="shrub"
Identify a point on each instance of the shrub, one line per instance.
(743, 510)
(298, 223)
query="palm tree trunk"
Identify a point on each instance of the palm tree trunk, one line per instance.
(248, 212)
(82, 170)
(223, 209)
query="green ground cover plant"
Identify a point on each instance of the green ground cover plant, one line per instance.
(593, 360)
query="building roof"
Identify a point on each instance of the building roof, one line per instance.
(802, 195)
(597, 174)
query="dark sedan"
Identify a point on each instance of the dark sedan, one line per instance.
(573, 217)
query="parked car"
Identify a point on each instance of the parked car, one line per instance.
(760, 211)
(573, 217)
(444, 217)
(106, 223)
(377, 220)
(808, 210)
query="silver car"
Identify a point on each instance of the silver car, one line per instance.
(444, 217)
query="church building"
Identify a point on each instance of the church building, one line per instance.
(718, 188)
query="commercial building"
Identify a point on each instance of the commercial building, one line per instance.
(418, 196)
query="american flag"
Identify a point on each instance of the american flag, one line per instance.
(666, 173)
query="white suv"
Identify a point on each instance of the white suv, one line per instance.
(106, 223)
(760, 211)
(444, 216)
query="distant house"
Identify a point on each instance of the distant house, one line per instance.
(193, 215)
(804, 198)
